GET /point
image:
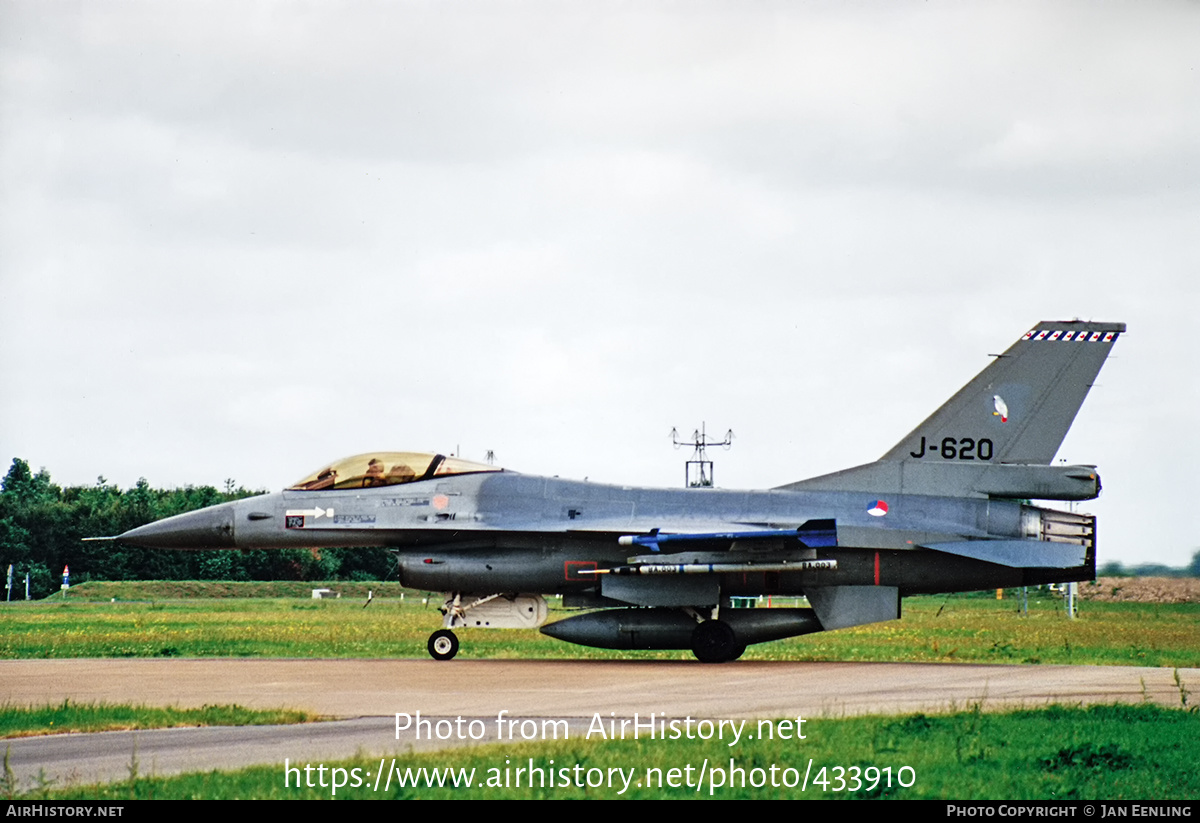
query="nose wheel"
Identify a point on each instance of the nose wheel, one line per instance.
(443, 644)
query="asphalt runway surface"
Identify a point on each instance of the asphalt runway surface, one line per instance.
(365, 696)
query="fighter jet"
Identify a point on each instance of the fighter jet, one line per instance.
(947, 509)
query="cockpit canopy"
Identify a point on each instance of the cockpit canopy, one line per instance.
(386, 469)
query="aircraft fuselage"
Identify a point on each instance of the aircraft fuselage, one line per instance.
(946, 509)
(505, 531)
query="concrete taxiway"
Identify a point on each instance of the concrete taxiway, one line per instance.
(365, 695)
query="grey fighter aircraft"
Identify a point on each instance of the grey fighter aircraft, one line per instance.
(945, 510)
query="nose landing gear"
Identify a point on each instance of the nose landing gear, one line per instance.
(443, 644)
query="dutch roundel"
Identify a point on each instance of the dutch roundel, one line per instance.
(878, 508)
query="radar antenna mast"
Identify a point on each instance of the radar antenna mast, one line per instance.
(698, 472)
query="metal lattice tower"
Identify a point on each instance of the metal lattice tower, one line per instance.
(698, 472)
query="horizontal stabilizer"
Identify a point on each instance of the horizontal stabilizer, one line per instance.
(1034, 554)
(814, 534)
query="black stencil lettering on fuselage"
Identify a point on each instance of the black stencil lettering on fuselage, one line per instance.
(951, 448)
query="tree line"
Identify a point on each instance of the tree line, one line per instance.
(42, 526)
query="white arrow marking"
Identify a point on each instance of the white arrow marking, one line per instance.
(313, 513)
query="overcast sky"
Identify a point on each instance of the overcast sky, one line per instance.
(241, 239)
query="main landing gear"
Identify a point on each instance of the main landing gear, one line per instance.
(714, 642)
(443, 644)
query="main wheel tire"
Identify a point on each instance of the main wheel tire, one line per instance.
(715, 642)
(443, 644)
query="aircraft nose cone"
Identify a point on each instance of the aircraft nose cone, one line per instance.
(210, 528)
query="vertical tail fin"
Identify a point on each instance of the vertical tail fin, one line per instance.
(997, 435)
(1019, 408)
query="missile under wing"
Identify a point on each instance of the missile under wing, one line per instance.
(947, 509)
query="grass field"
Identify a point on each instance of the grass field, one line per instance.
(961, 628)
(65, 717)
(1103, 752)
(156, 590)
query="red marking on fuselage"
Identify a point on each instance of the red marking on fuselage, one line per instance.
(571, 569)
(876, 568)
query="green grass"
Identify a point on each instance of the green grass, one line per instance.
(154, 590)
(19, 721)
(1109, 753)
(961, 629)
(1102, 752)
